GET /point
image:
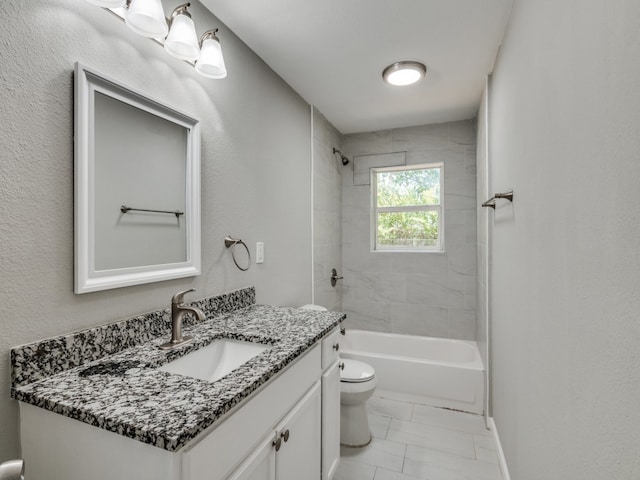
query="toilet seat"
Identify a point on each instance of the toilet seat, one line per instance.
(355, 371)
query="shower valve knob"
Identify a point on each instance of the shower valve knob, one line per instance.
(335, 277)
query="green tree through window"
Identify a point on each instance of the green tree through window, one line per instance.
(407, 205)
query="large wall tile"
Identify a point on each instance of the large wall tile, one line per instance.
(411, 319)
(430, 290)
(430, 294)
(463, 133)
(424, 263)
(360, 259)
(380, 287)
(462, 323)
(327, 213)
(367, 315)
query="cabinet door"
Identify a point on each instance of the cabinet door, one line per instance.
(330, 348)
(215, 455)
(330, 421)
(260, 465)
(299, 456)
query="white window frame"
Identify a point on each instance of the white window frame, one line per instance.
(439, 248)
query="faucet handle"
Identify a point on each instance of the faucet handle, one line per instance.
(178, 298)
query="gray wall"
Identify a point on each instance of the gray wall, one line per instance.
(255, 158)
(414, 293)
(327, 212)
(565, 277)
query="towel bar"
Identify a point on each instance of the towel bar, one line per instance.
(492, 201)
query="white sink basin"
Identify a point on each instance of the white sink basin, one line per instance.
(215, 360)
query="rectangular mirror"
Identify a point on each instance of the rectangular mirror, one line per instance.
(137, 187)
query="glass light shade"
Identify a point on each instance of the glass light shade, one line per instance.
(146, 18)
(211, 62)
(109, 3)
(182, 41)
(404, 73)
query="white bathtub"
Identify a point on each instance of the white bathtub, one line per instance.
(433, 371)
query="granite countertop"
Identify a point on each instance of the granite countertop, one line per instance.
(126, 393)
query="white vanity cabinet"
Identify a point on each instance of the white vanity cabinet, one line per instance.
(261, 464)
(299, 453)
(302, 400)
(295, 456)
(215, 455)
(330, 404)
(292, 450)
(330, 427)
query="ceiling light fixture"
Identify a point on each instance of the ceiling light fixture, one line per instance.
(177, 34)
(404, 73)
(182, 41)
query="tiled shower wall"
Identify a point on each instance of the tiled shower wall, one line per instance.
(431, 294)
(327, 212)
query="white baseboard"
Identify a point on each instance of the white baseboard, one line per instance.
(501, 460)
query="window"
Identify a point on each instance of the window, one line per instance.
(406, 208)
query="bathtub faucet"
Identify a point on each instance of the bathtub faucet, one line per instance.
(335, 277)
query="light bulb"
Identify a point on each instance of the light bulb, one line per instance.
(403, 77)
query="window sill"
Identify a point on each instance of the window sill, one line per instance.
(407, 251)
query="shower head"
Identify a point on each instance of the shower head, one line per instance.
(345, 160)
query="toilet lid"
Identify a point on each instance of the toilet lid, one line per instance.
(355, 371)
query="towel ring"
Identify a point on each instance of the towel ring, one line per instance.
(229, 241)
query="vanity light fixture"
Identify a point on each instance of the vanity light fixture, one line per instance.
(211, 62)
(177, 34)
(146, 18)
(404, 73)
(182, 41)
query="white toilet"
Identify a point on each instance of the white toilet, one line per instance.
(357, 383)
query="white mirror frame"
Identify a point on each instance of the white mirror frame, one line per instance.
(87, 278)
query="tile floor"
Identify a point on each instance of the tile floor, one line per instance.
(418, 442)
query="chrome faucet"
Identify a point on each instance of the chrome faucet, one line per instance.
(178, 311)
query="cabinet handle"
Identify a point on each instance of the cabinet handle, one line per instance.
(341, 365)
(285, 435)
(277, 443)
(336, 347)
(343, 331)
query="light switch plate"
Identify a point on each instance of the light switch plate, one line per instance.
(259, 252)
